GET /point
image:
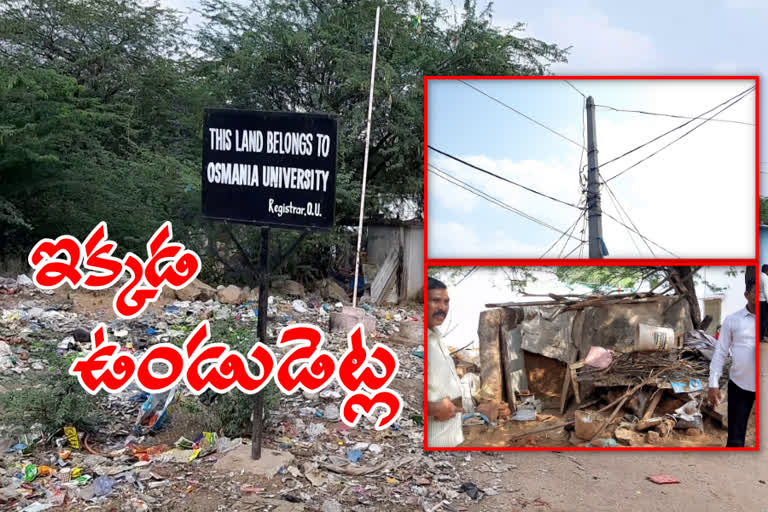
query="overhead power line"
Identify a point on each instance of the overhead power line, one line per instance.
(670, 115)
(739, 96)
(575, 89)
(466, 186)
(640, 234)
(743, 95)
(501, 177)
(513, 109)
(619, 209)
(569, 230)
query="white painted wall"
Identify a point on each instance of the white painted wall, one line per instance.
(733, 297)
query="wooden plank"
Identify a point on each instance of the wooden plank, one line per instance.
(652, 406)
(576, 391)
(488, 333)
(565, 392)
(506, 370)
(386, 275)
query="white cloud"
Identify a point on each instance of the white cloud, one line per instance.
(455, 240)
(599, 45)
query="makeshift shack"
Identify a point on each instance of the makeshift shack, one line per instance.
(395, 260)
(628, 351)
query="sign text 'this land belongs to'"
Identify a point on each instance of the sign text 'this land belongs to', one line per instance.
(270, 168)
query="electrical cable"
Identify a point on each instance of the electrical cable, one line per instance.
(670, 115)
(680, 137)
(491, 199)
(739, 96)
(619, 209)
(513, 109)
(575, 89)
(501, 177)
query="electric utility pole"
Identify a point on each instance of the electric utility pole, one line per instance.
(593, 187)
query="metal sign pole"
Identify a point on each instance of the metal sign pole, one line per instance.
(258, 403)
(365, 159)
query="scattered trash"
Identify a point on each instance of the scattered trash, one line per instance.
(603, 443)
(315, 429)
(599, 357)
(299, 306)
(71, 434)
(30, 472)
(331, 412)
(23, 280)
(354, 455)
(154, 411)
(102, 486)
(471, 490)
(331, 506)
(123, 466)
(663, 479)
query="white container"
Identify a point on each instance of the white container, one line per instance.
(654, 338)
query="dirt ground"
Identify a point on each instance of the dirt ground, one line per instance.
(522, 481)
(604, 481)
(512, 433)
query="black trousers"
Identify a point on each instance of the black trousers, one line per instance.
(763, 320)
(739, 408)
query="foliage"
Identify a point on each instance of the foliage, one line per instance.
(517, 278)
(101, 105)
(56, 401)
(763, 210)
(599, 279)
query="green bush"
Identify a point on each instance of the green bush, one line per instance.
(56, 401)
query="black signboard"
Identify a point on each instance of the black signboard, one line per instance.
(269, 168)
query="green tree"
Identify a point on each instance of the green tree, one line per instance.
(315, 55)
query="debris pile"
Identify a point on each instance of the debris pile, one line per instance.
(152, 453)
(641, 379)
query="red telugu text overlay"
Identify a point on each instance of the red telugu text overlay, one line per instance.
(306, 367)
(213, 366)
(180, 267)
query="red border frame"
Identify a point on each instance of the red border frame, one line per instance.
(597, 262)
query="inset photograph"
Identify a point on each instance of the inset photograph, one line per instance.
(579, 357)
(518, 167)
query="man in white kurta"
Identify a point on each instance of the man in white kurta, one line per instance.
(443, 385)
(737, 338)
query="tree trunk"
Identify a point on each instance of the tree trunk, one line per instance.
(682, 279)
(488, 331)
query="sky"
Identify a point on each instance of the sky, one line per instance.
(486, 286)
(676, 198)
(652, 37)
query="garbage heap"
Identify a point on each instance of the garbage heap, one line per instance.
(150, 453)
(626, 369)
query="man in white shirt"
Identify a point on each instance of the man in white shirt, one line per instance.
(737, 336)
(443, 385)
(763, 303)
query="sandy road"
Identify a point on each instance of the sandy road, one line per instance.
(601, 481)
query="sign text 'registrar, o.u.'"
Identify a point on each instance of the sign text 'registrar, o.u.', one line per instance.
(269, 168)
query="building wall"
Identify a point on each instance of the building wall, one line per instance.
(732, 297)
(413, 259)
(381, 240)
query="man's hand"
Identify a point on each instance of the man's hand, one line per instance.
(714, 396)
(443, 410)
